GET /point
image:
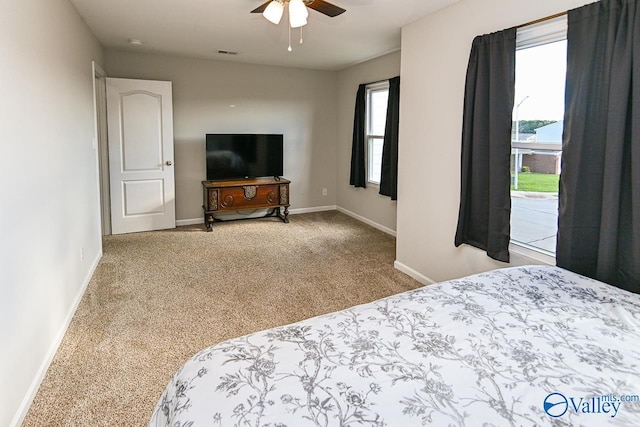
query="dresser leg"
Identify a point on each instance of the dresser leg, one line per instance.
(208, 221)
(286, 215)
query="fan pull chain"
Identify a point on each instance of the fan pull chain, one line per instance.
(301, 41)
(289, 48)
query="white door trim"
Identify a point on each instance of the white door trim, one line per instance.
(100, 144)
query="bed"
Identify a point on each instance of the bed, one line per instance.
(515, 346)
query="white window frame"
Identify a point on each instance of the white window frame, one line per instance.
(369, 137)
(550, 31)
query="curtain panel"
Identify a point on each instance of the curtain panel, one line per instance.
(389, 173)
(485, 201)
(599, 207)
(358, 177)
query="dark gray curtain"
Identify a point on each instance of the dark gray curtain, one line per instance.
(358, 143)
(485, 202)
(599, 221)
(389, 174)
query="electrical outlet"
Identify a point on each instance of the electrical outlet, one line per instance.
(324, 191)
(81, 254)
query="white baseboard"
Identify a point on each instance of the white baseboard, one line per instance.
(313, 209)
(192, 221)
(367, 221)
(296, 211)
(21, 413)
(411, 272)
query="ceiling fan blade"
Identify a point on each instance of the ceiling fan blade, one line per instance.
(325, 7)
(261, 8)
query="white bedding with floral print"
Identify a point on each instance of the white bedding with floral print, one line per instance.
(484, 350)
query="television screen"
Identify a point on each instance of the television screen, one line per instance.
(236, 156)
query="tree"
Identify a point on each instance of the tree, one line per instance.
(529, 126)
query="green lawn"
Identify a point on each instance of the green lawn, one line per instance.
(542, 182)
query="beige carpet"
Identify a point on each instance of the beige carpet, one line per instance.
(159, 297)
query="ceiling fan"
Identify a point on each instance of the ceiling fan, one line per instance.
(273, 10)
(321, 6)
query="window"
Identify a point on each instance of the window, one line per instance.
(377, 96)
(536, 147)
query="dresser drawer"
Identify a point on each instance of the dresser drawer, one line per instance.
(248, 196)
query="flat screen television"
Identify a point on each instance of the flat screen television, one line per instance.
(237, 156)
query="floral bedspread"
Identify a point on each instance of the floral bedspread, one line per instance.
(484, 350)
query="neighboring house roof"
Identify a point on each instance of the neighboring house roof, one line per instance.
(524, 137)
(550, 133)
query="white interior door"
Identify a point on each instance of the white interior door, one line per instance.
(140, 125)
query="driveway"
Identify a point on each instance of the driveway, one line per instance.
(534, 220)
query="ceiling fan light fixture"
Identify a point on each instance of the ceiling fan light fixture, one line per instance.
(273, 12)
(298, 13)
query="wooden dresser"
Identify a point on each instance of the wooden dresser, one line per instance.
(239, 194)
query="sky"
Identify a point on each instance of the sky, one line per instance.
(540, 76)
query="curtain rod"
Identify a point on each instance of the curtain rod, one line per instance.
(537, 21)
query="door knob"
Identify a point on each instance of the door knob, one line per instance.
(168, 163)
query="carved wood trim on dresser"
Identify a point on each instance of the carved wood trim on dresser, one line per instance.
(239, 194)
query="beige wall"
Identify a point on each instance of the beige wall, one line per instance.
(435, 51)
(297, 103)
(50, 210)
(365, 202)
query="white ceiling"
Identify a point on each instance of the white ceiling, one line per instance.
(199, 28)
